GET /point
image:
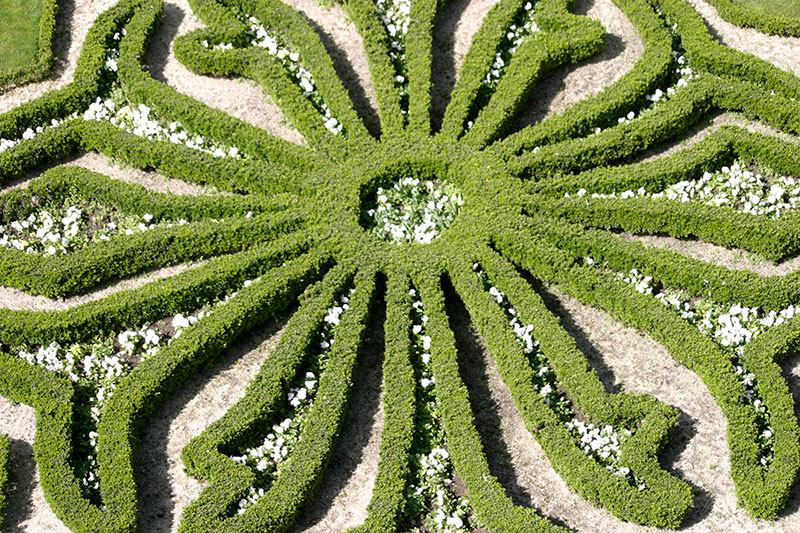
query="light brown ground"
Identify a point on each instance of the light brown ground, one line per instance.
(242, 98)
(568, 85)
(780, 51)
(27, 510)
(347, 485)
(698, 452)
(718, 255)
(22, 301)
(164, 489)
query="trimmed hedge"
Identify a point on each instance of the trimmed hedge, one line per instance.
(43, 61)
(263, 405)
(135, 397)
(666, 500)
(125, 255)
(563, 38)
(762, 493)
(614, 101)
(310, 215)
(486, 495)
(267, 71)
(386, 506)
(740, 15)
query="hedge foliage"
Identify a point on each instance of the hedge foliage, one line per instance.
(762, 493)
(262, 406)
(666, 500)
(748, 17)
(306, 239)
(43, 60)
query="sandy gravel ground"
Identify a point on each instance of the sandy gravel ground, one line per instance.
(27, 509)
(22, 301)
(164, 488)
(711, 253)
(570, 84)
(780, 51)
(698, 451)
(346, 488)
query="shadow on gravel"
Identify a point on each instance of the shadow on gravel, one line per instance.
(21, 481)
(357, 427)
(552, 83)
(349, 79)
(472, 364)
(161, 44)
(443, 64)
(151, 458)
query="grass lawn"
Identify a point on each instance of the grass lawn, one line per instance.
(786, 8)
(19, 33)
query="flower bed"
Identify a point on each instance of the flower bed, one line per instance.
(266, 459)
(414, 211)
(433, 498)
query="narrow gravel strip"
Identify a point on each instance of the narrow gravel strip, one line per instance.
(164, 488)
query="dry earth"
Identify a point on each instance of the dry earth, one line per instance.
(622, 356)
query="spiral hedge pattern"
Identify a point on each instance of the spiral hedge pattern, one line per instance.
(480, 207)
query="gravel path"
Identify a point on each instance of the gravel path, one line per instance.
(698, 452)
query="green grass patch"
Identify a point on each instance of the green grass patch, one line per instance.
(781, 8)
(20, 33)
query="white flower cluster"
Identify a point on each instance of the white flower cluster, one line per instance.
(30, 133)
(266, 458)
(735, 186)
(414, 211)
(517, 34)
(141, 121)
(53, 230)
(432, 488)
(600, 443)
(97, 367)
(396, 15)
(112, 54)
(732, 327)
(274, 45)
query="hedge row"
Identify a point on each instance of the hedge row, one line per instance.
(562, 38)
(494, 508)
(87, 80)
(666, 500)
(762, 493)
(43, 60)
(125, 255)
(388, 500)
(382, 72)
(5, 470)
(747, 17)
(675, 269)
(267, 71)
(281, 165)
(706, 54)
(264, 404)
(728, 79)
(419, 51)
(197, 117)
(137, 395)
(616, 100)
